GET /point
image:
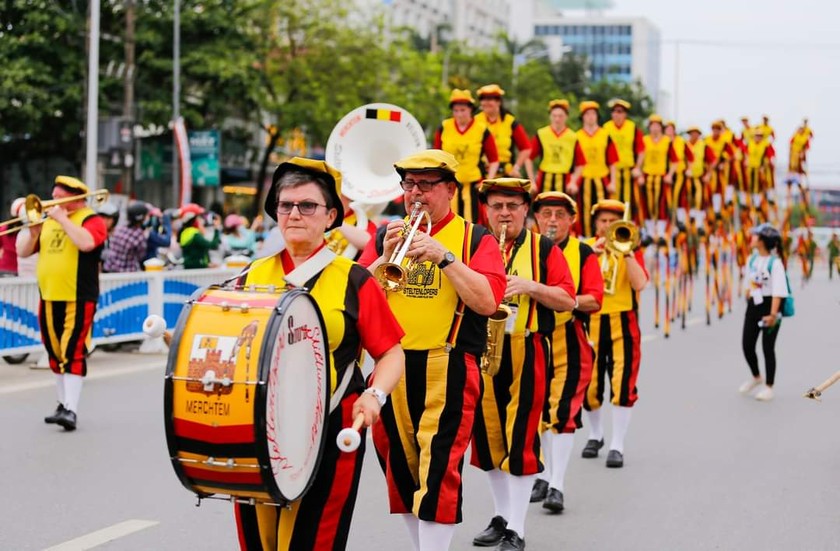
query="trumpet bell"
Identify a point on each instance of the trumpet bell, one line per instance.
(392, 277)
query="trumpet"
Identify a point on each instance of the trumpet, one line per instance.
(491, 360)
(34, 209)
(393, 275)
(621, 238)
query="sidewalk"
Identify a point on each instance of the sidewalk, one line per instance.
(101, 364)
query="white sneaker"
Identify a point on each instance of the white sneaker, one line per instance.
(748, 386)
(765, 395)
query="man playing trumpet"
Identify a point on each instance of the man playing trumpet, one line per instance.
(506, 435)
(615, 332)
(457, 280)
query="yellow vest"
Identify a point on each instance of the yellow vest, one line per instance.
(572, 254)
(466, 147)
(698, 166)
(656, 156)
(502, 131)
(58, 262)
(595, 151)
(679, 151)
(329, 291)
(526, 262)
(717, 146)
(558, 152)
(798, 143)
(625, 298)
(756, 153)
(625, 142)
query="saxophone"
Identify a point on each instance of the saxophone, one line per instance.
(491, 361)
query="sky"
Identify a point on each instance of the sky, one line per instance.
(799, 77)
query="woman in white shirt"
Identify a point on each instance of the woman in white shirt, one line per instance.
(767, 289)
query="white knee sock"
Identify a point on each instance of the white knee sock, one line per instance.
(413, 525)
(561, 452)
(59, 388)
(72, 391)
(621, 422)
(500, 489)
(520, 498)
(660, 228)
(545, 446)
(435, 536)
(596, 425)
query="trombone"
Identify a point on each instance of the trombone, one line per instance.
(621, 238)
(34, 209)
(393, 275)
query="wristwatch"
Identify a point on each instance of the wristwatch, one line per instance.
(381, 397)
(448, 259)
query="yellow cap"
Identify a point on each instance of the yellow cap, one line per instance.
(460, 96)
(616, 102)
(717, 124)
(587, 105)
(555, 198)
(671, 123)
(654, 118)
(490, 91)
(561, 103)
(71, 183)
(609, 205)
(506, 185)
(319, 168)
(745, 118)
(694, 128)
(430, 159)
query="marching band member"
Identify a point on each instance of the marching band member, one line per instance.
(505, 441)
(350, 233)
(719, 182)
(507, 131)
(800, 143)
(759, 178)
(658, 168)
(678, 204)
(599, 172)
(746, 131)
(833, 256)
(766, 130)
(615, 332)
(629, 144)
(304, 200)
(699, 175)
(458, 280)
(560, 153)
(468, 140)
(573, 355)
(69, 243)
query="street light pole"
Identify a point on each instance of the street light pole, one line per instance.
(91, 131)
(176, 98)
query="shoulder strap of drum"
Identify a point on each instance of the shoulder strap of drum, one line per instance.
(338, 395)
(309, 269)
(466, 255)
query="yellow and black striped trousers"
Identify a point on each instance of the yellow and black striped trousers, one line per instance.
(65, 332)
(466, 204)
(627, 191)
(592, 190)
(569, 378)
(424, 431)
(508, 418)
(618, 351)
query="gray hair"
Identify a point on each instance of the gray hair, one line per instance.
(296, 178)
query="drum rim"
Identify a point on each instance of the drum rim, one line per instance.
(260, 419)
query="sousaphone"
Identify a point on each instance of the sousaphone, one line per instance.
(364, 146)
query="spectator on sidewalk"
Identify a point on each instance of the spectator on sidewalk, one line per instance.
(194, 245)
(127, 246)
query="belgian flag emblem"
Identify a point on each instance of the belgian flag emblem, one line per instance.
(383, 115)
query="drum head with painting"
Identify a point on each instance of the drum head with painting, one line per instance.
(296, 394)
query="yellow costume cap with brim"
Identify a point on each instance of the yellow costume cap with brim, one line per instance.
(315, 168)
(717, 124)
(430, 159)
(508, 186)
(561, 103)
(695, 128)
(71, 184)
(616, 102)
(490, 91)
(587, 105)
(608, 205)
(671, 123)
(654, 118)
(461, 96)
(555, 198)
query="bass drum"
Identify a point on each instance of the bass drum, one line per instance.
(246, 394)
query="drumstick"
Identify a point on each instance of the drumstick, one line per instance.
(816, 392)
(348, 439)
(155, 326)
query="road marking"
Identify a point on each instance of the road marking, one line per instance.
(111, 372)
(95, 539)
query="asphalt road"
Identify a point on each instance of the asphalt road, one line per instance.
(705, 467)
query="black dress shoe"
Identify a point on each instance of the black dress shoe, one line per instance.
(51, 419)
(539, 490)
(491, 535)
(591, 448)
(554, 501)
(511, 542)
(66, 419)
(615, 459)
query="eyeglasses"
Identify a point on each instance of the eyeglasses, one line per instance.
(306, 208)
(560, 214)
(498, 207)
(423, 185)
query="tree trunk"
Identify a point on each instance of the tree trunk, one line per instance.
(259, 197)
